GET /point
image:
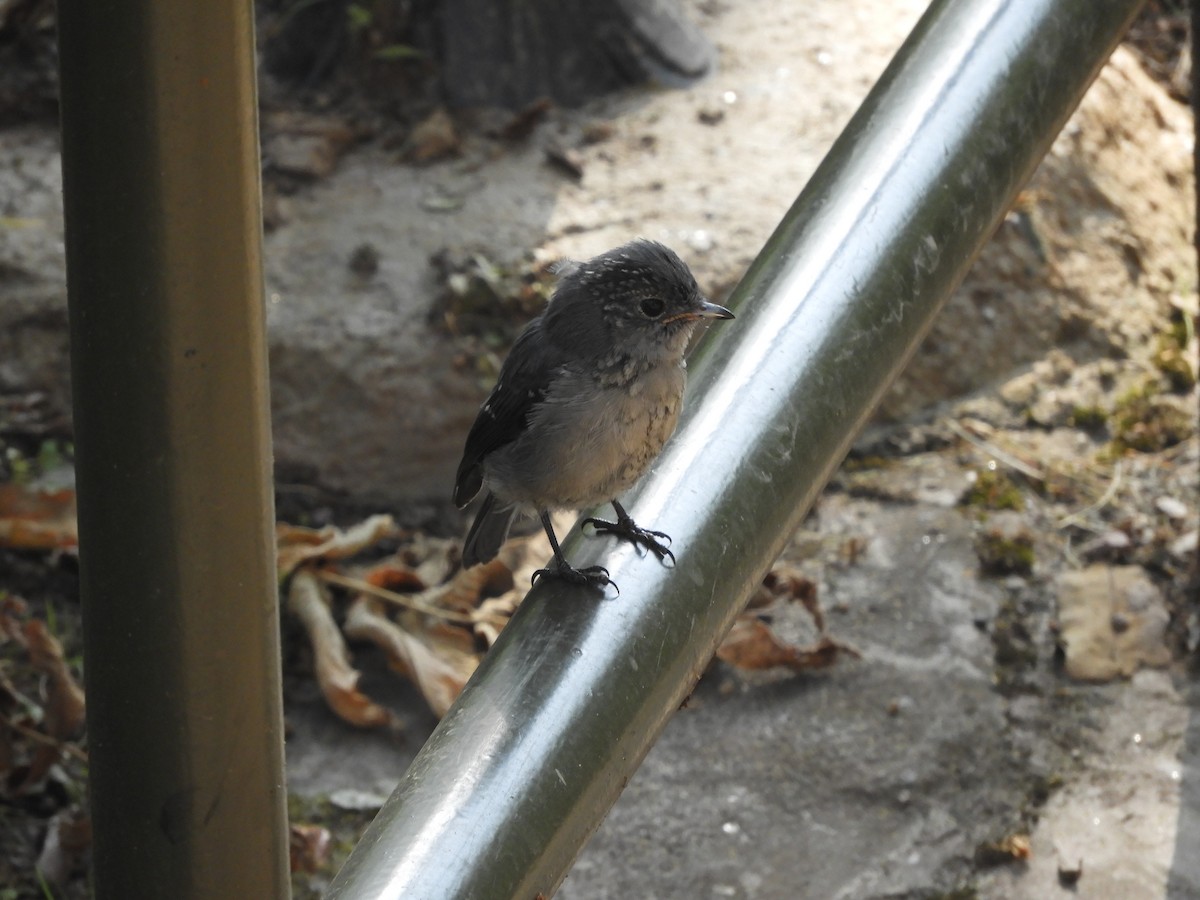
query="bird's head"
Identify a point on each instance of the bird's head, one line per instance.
(638, 301)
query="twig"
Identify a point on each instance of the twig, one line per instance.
(1002, 455)
(1108, 494)
(36, 736)
(407, 601)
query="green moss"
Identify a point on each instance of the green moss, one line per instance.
(993, 489)
(1089, 418)
(1171, 357)
(486, 300)
(345, 828)
(862, 463)
(1172, 361)
(1005, 553)
(1146, 422)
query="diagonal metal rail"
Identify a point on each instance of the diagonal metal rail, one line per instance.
(526, 764)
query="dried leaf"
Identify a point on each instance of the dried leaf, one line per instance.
(337, 679)
(433, 559)
(439, 671)
(304, 145)
(12, 610)
(300, 545)
(394, 577)
(524, 121)
(1010, 848)
(433, 138)
(751, 644)
(494, 614)
(443, 636)
(64, 708)
(468, 588)
(33, 519)
(308, 847)
(789, 583)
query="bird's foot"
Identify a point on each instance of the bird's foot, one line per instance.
(590, 576)
(627, 529)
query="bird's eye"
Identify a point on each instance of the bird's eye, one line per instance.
(652, 307)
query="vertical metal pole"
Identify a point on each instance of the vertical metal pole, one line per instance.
(524, 766)
(181, 646)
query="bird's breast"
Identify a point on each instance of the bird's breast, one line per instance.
(587, 442)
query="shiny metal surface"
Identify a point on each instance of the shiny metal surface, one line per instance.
(164, 233)
(525, 765)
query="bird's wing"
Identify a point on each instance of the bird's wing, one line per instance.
(523, 382)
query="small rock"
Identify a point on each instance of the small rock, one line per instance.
(1020, 392)
(1110, 544)
(1171, 508)
(1113, 621)
(1184, 546)
(710, 115)
(700, 240)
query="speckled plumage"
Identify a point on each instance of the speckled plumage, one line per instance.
(587, 397)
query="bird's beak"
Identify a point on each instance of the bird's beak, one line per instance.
(712, 311)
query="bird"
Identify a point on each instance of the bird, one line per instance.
(584, 402)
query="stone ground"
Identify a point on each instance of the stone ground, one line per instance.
(959, 732)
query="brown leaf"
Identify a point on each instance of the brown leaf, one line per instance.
(64, 708)
(304, 145)
(308, 847)
(468, 588)
(789, 583)
(1010, 848)
(337, 679)
(32, 519)
(494, 614)
(438, 670)
(751, 644)
(299, 545)
(393, 576)
(12, 610)
(524, 121)
(434, 138)
(433, 559)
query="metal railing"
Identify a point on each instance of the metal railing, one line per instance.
(526, 764)
(173, 452)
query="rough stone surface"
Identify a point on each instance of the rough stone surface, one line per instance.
(1087, 260)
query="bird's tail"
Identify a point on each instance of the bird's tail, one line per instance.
(488, 532)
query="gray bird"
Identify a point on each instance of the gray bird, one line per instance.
(585, 401)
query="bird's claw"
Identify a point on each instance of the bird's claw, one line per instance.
(627, 529)
(590, 576)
